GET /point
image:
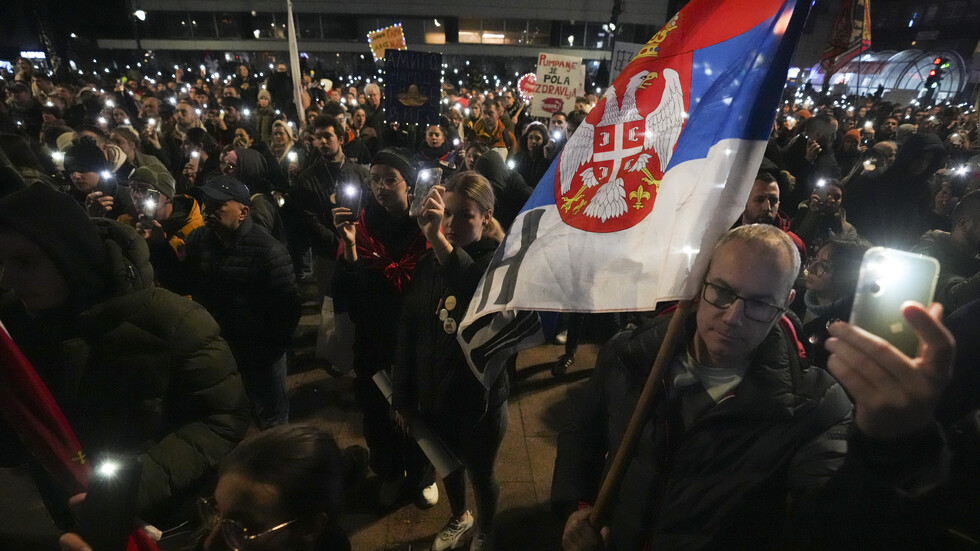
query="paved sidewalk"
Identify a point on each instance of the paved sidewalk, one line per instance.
(539, 404)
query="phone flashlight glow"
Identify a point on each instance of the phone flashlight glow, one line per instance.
(107, 469)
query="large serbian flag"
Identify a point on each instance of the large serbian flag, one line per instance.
(653, 177)
(850, 35)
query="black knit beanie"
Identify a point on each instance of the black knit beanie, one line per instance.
(398, 159)
(85, 156)
(59, 225)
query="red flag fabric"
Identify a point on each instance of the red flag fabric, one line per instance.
(31, 411)
(850, 35)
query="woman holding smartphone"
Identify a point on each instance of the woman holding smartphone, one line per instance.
(431, 378)
(380, 247)
(831, 278)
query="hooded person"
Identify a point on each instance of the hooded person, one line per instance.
(85, 312)
(888, 208)
(247, 136)
(509, 188)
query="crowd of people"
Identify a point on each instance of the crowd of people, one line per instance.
(154, 236)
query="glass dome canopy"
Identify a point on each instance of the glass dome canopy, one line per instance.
(897, 71)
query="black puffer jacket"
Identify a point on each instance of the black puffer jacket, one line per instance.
(140, 370)
(311, 200)
(248, 286)
(888, 207)
(430, 372)
(727, 483)
(959, 274)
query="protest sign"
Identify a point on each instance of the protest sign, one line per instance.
(559, 80)
(413, 83)
(386, 38)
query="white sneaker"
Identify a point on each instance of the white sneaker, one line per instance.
(428, 497)
(481, 542)
(455, 533)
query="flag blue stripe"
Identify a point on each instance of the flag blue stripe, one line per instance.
(726, 79)
(544, 193)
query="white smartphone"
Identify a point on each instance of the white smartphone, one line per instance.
(887, 279)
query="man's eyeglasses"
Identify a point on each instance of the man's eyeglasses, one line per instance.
(819, 267)
(755, 310)
(388, 182)
(235, 535)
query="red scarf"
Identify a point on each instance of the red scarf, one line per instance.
(31, 411)
(375, 255)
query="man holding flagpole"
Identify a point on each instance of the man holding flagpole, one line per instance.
(744, 435)
(731, 427)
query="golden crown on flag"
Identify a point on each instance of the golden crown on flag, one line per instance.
(652, 48)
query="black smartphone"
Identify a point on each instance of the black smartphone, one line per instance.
(106, 516)
(149, 203)
(349, 196)
(107, 184)
(820, 190)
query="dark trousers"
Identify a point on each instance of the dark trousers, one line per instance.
(392, 453)
(476, 446)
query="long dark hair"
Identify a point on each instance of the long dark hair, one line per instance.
(302, 462)
(846, 254)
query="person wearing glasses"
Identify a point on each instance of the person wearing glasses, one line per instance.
(831, 278)
(745, 442)
(281, 489)
(381, 246)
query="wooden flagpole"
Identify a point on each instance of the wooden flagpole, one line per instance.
(624, 454)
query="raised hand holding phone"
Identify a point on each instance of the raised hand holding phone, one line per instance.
(432, 210)
(426, 179)
(889, 278)
(894, 358)
(895, 395)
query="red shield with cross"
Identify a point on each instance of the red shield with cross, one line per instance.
(609, 173)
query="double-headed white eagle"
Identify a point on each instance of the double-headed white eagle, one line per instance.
(662, 128)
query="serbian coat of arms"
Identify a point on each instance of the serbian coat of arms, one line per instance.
(610, 170)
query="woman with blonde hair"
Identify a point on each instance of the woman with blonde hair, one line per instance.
(431, 378)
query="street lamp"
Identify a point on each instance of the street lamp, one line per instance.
(140, 14)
